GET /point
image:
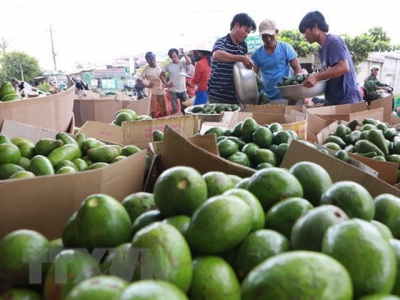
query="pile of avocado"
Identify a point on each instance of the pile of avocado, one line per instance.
(294, 80)
(214, 108)
(8, 93)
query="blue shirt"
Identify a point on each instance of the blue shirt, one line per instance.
(343, 89)
(274, 66)
(220, 85)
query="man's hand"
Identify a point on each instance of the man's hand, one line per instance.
(310, 81)
(247, 62)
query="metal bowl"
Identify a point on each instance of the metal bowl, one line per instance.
(299, 91)
(245, 84)
(205, 117)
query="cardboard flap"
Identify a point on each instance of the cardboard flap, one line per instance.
(387, 170)
(324, 133)
(372, 113)
(268, 108)
(140, 133)
(141, 107)
(387, 105)
(104, 132)
(178, 151)
(394, 121)
(338, 109)
(337, 169)
(207, 142)
(16, 129)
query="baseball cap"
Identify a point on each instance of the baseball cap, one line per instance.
(267, 27)
(374, 68)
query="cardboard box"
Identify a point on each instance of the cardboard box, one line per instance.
(104, 109)
(321, 117)
(140, 133)
(198, 152)
(337, 169)
(45, 203)
(53, 112)
(296, 121)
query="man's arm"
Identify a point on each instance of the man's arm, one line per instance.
(337, 70)
(223, 56)
(187, 58)
(295, 64)
(164, 80)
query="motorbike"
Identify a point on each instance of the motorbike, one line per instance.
(136, 90)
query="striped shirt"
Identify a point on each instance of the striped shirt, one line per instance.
(220, 85)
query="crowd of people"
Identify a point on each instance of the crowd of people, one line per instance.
(207, 73)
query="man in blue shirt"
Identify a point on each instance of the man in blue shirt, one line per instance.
(226, 52)
(336, 62)
(275, 59)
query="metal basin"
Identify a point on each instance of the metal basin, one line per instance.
(299, 91)
(245, 84)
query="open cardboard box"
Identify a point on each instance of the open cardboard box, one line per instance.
(140, 133)
(53, 111)
(321, 117)
(337, 169)
(387, 170)
(103, 110)
(45, 203)
(199, 152)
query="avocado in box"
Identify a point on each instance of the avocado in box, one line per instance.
(44, 203)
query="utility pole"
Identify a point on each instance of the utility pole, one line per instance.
(52, 49)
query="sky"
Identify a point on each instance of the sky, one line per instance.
(97, 32)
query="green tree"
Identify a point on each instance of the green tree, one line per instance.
(299, 43)
(375, 40)
(19, 65)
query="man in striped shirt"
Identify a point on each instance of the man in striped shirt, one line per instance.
(226, 52)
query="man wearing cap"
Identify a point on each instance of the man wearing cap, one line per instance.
(372, 84)
(275, 59)
(150, 78)
(226, 52)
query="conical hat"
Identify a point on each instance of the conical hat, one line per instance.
(203, 46)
